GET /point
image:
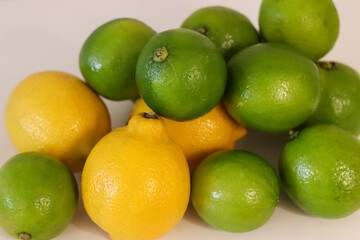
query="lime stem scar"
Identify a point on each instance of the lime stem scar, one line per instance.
(293, 135)
(160, 54)
(202, 30)
(327, 65)
(25, 236)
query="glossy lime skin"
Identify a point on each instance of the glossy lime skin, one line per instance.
(340, 100)
(230, 30)
(108, 57)
(235, 191)
(310, 26)
(271, 87)
(320, 170)
(38, 196)
(189, 82)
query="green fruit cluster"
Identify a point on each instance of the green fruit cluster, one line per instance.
(272, 86)
(217, 55)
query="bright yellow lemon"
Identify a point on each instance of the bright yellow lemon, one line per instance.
(202, 136)
(58, 114)
(136, 182)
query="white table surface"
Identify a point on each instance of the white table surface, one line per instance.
(38, 35)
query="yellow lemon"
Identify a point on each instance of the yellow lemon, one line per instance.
(58, 114)
(136, 182)
(202, 136)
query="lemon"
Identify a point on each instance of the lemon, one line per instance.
(136, 182)
(58, 114)
(202, 136)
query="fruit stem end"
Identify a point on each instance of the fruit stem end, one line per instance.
(150, 115)
(327, 65)
(24, 236)
(293, 134)
(202, 30)
(160, 54)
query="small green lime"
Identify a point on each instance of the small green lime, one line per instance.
(271, 87)
(230, 30)
(236, 191)
(320, 169)
(38, 196)
(181, 74)
(340, 101)
(311, 26)
(108, 57)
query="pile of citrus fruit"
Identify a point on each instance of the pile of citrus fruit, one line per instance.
(197, 89)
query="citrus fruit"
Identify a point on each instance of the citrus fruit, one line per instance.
(230, 30)
(271, 87)
(235, 191)
(310, 26)
(136, 182)
(38, 196)
(320, 169)
(58, 114)
(340, 101)
(200, 137)
(108, 57)
(181, 74)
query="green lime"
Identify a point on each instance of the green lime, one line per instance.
(340, 101)
(108, 57)
(230, 30)
(38, 196)
(271, 87)
(320, 169)
(181, 74)
(310, 26)
(235, 191)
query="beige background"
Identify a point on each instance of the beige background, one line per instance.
(38, 35)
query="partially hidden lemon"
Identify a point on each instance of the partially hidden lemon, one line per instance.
(136, 182)
(202, 136)
(58, 114)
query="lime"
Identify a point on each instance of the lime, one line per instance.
(320, 169)
(340, 101)
(38, 196)
(310, 26)
(181, 74)
(108, 57)
(271, 87)
(235, 191)
(230, 30)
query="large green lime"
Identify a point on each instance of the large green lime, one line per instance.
(108, 57)
(340, 100)
(311, 26)
(181, 74)
(271, 87)
(235, 191)
(320, 169)
(38, 196)
(230, 30)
